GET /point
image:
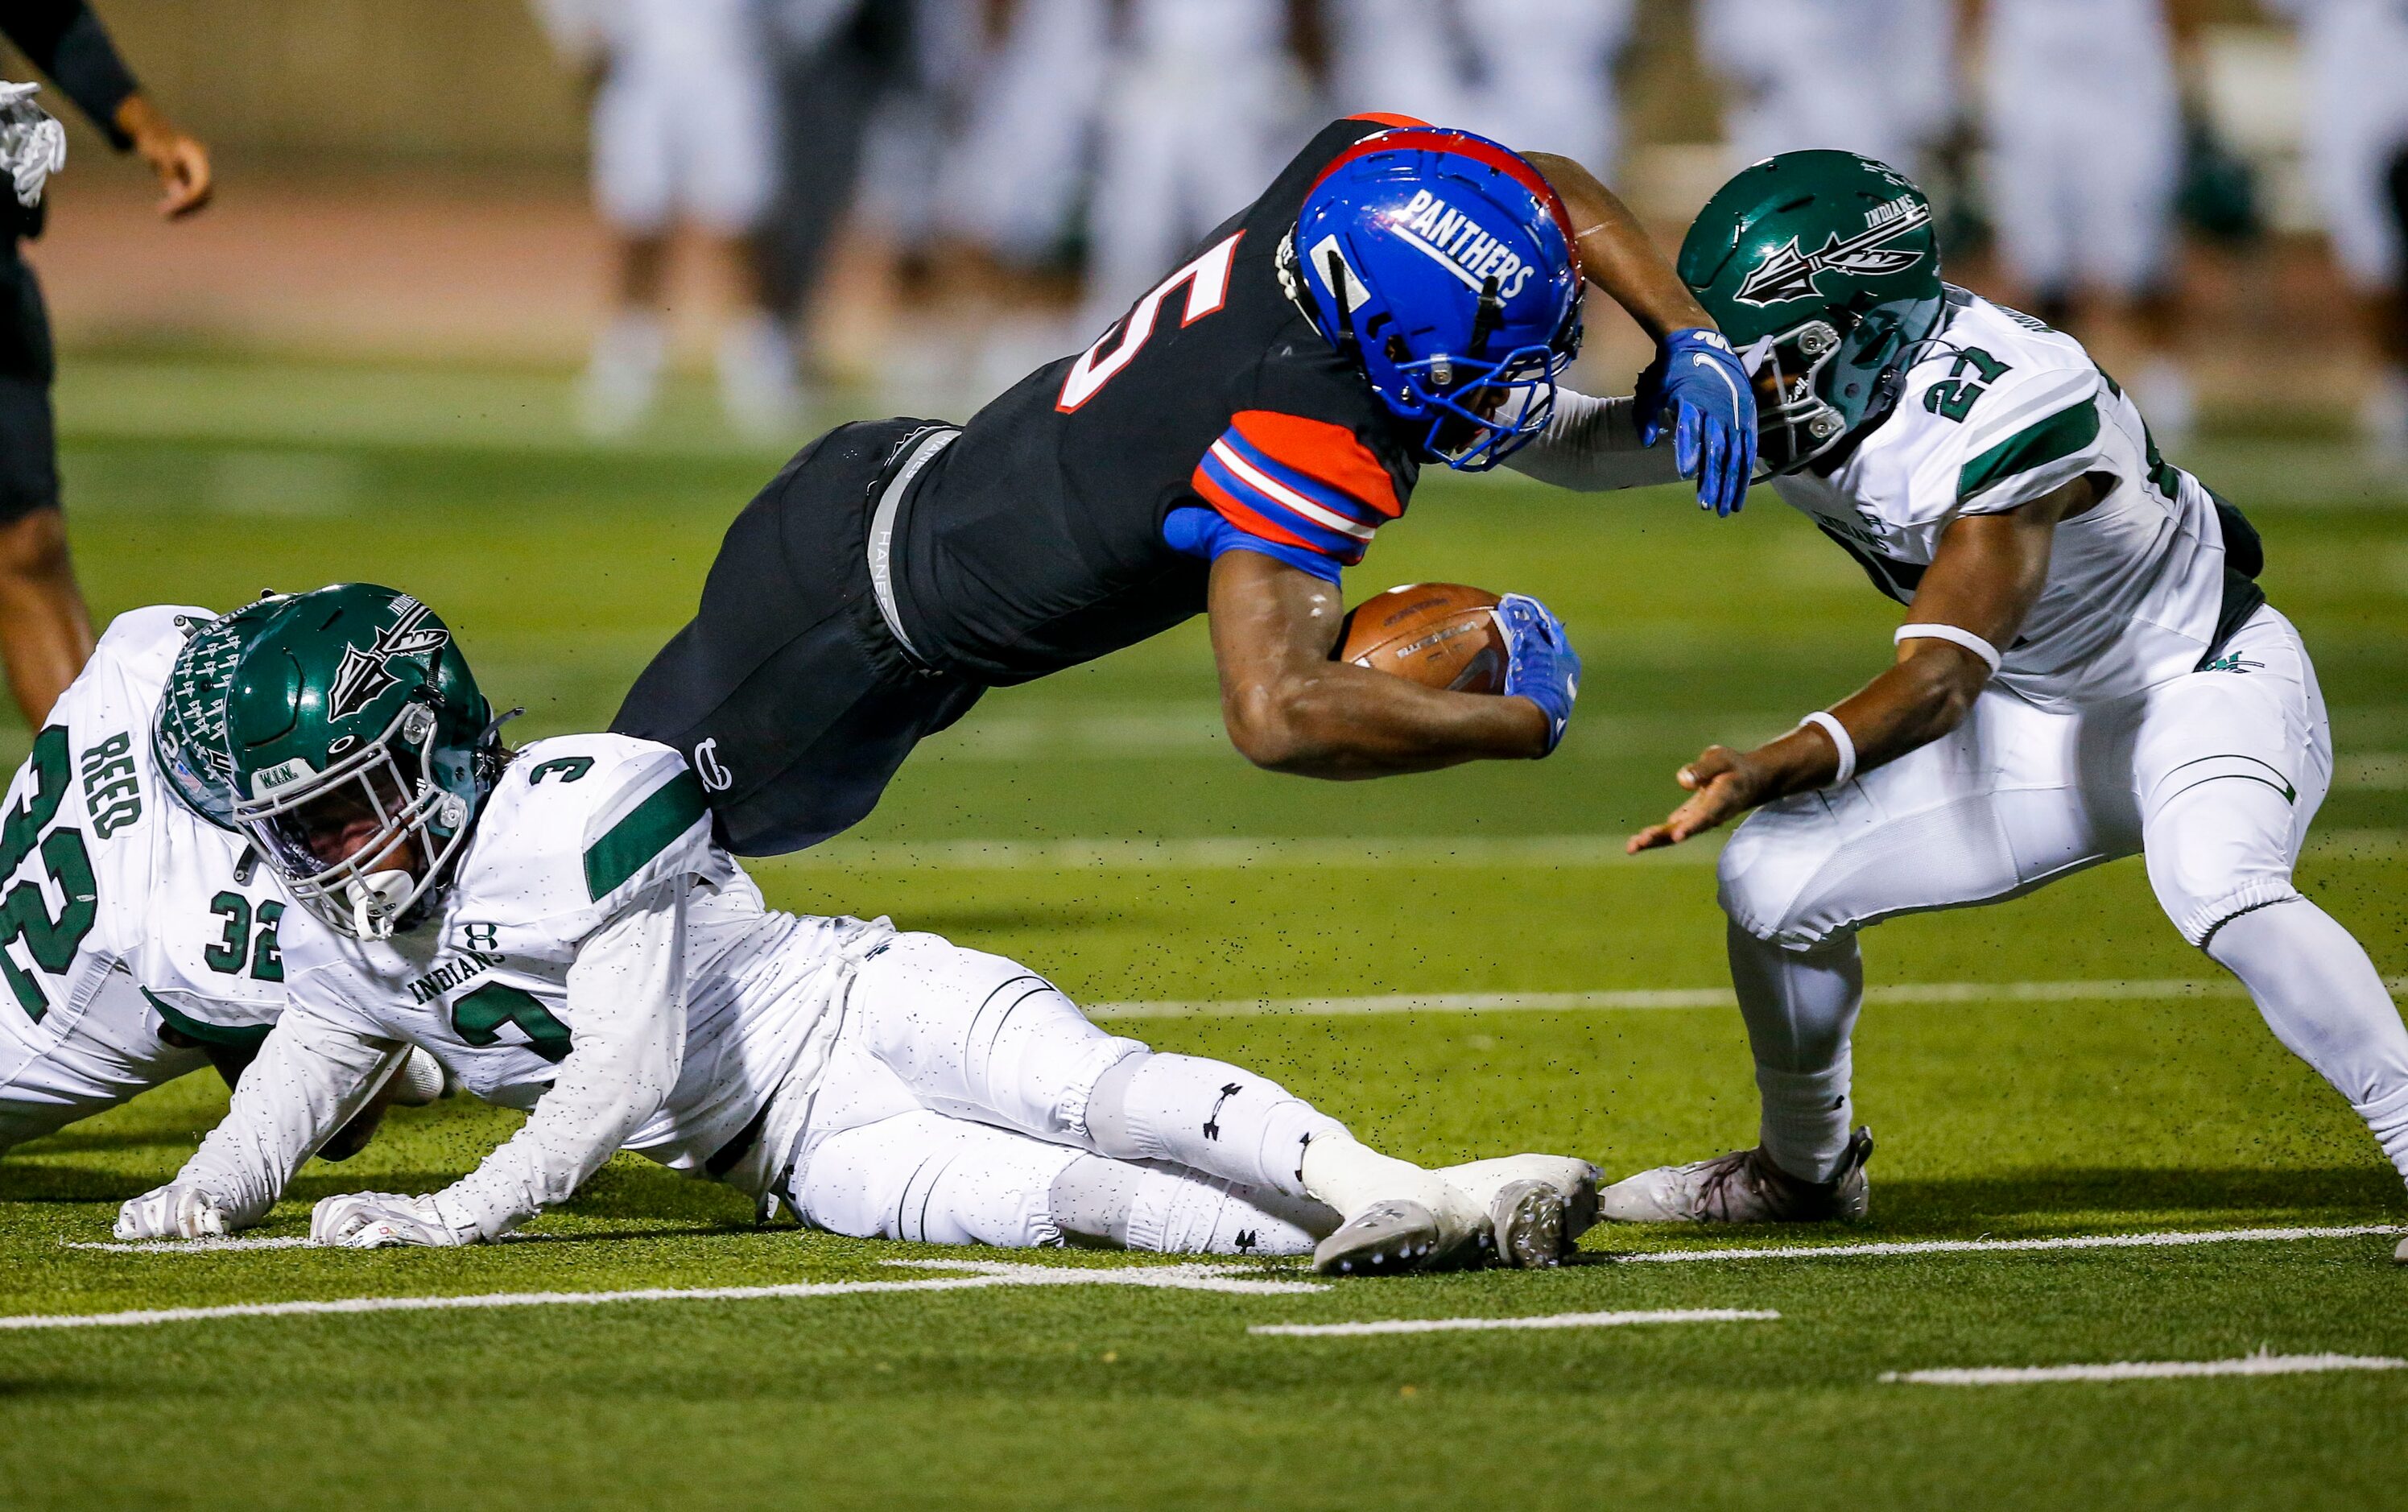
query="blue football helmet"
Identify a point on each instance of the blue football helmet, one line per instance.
(1445, 265)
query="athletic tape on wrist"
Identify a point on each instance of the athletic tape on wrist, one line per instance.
(1950, 633)
(1829, 724)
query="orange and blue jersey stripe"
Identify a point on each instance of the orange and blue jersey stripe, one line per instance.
(1302, 483)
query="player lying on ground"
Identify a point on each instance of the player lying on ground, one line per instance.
(1399, 296)
(2088, 671)
(141, 945)
(557, 926)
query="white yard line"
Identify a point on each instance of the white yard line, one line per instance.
(2145, 1370)
(1456, 1325)
(1314, 852)
(188, 1246)
(2103, 990)
(984, 1274)
(1965, 1246)
(1235, 852)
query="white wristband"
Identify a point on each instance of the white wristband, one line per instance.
(1829, 725)
(1950, 633)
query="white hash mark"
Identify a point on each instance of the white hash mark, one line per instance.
(1454, 1325)
(2146, 1370)
(1958, 1246)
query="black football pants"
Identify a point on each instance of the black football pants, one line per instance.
(788, 694)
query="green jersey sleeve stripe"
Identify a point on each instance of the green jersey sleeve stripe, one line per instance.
(246, 1038)
(2036, 445)
(644, 833)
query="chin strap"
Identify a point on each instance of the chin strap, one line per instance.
(375, 901)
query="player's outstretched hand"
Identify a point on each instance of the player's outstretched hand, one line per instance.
(1722, 782)
(1540, 662)
(1696, 386)
(179, 1210)
(372, 1220)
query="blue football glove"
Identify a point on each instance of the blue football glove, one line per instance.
(1698, 385)
(1541, 664)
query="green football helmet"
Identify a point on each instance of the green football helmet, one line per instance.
(354, 727)
(189, 736)
(1822, 270)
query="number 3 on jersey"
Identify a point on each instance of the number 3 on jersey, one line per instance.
(24, 911)
(1208, 290)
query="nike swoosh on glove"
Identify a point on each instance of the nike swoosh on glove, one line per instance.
(1698, 384)
(1541, 664)
(372, 1220)
(179, 1210)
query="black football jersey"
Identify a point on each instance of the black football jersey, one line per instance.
(1080, 512)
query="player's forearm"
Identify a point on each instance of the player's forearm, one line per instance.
(1340, 722)
(1923, 697)
(308, 1079)
(626, 992)
(1618, 256)
(1592, 446)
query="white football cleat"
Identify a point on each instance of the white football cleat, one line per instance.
(2400, 1256)
(1538, 1205)
(1399, 1235)
(1743, 1187)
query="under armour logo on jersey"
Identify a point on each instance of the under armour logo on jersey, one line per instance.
(1788, 273)
(1245, 1242)
(708, 767)
(1212, 1120)
(363, 674)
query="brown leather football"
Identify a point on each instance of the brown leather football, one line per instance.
(1442, 635)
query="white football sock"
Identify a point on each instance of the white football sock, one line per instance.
(1800, 1007)
(1209, 1117)
(756, 377)
(2383, 413)
(616, 391)
(1163, 1209)
(2324, 1000)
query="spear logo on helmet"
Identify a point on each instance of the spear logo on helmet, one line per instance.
(1788, 273)
(363, 675)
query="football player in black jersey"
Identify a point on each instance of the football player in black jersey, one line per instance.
(1399, 294)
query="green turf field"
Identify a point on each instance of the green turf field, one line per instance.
(1456, 964)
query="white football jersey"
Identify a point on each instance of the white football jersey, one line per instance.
(2002, 412)
(577, 830)
(122, 910)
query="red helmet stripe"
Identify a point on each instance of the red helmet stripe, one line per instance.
(1381, 117)
(1420, 139)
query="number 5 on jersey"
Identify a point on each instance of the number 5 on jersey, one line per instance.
(1208, 290)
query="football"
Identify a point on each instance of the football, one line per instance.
(1442, 635)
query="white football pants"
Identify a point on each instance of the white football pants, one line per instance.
(959, 1106)
(107, 1054)
(2213, 776)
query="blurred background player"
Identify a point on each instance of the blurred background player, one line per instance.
(45, 630)
(1015, 177)
(1200, 109)
(1406, 57)
(1875, 77)
(1540, 73)
(684, 130)
(2085, 127)
(842, 65)
(2356, 68)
